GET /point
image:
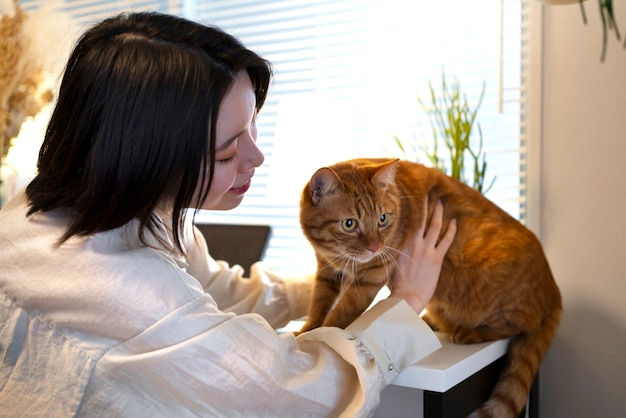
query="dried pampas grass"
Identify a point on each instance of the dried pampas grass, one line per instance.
(23, 87)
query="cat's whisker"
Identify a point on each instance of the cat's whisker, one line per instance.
(354, 274)
(394, 261)
(336, 259)
(349, 282)
(387, 258)
(400, 254)
(349, 267)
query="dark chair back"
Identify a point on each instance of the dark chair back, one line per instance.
(236, 244)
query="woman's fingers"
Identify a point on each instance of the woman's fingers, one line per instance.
(422, 229)
(434, 230)
(448, 238)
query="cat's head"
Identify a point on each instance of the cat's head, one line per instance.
(351, 211)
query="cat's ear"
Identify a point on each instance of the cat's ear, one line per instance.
(322, 183)
(386, 173)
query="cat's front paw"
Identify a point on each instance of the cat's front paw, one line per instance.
(430, 322)
(464, 335)
(308, 326)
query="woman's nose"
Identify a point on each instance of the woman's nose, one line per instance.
(252, 155)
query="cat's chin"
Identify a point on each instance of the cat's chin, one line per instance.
(364, 258)
(347, 259)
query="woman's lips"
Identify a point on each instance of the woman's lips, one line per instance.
(242, 189)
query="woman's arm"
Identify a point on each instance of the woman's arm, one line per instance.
(265, 292)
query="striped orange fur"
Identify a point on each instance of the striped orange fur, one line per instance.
(495, 280)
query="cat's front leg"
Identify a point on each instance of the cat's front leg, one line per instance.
(464, 334)
(354, 300)
(467, 335)
(325, 292)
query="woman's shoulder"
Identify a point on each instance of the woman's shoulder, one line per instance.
(106, 284)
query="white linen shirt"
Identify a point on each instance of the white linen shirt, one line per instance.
(106, 326)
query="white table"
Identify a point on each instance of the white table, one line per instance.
(450, 365)
(449, 383)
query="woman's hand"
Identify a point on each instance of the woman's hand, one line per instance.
(420, 262)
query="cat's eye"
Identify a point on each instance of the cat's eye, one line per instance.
(349, 224)
(383, 220)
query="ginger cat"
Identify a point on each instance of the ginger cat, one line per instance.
(495, 281)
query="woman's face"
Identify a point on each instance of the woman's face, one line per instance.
(236, 152)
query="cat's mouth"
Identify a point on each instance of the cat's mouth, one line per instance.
(365, 257)
(349, 258)
(353, 257)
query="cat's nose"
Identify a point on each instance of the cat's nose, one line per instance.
(373, 248)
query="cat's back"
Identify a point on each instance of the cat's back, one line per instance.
(459, 199)
(483, 227)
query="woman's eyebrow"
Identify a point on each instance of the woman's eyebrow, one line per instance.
(229, 141)
(232, 139)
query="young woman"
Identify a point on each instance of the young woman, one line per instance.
(110, 304)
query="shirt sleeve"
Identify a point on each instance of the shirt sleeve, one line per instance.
(200, 361)
(265, 292)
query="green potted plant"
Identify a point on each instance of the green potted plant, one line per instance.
(607, 17)
(452, 121)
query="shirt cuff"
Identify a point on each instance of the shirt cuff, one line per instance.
(395, 335)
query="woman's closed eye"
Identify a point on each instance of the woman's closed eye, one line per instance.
(227, 160)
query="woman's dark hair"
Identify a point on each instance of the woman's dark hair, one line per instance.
(134, 123)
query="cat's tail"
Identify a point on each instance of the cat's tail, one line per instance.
(525, 353)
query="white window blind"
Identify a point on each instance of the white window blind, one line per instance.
(347, 77)
(348, 73)
(87, 12)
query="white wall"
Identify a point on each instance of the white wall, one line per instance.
(583, 211)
